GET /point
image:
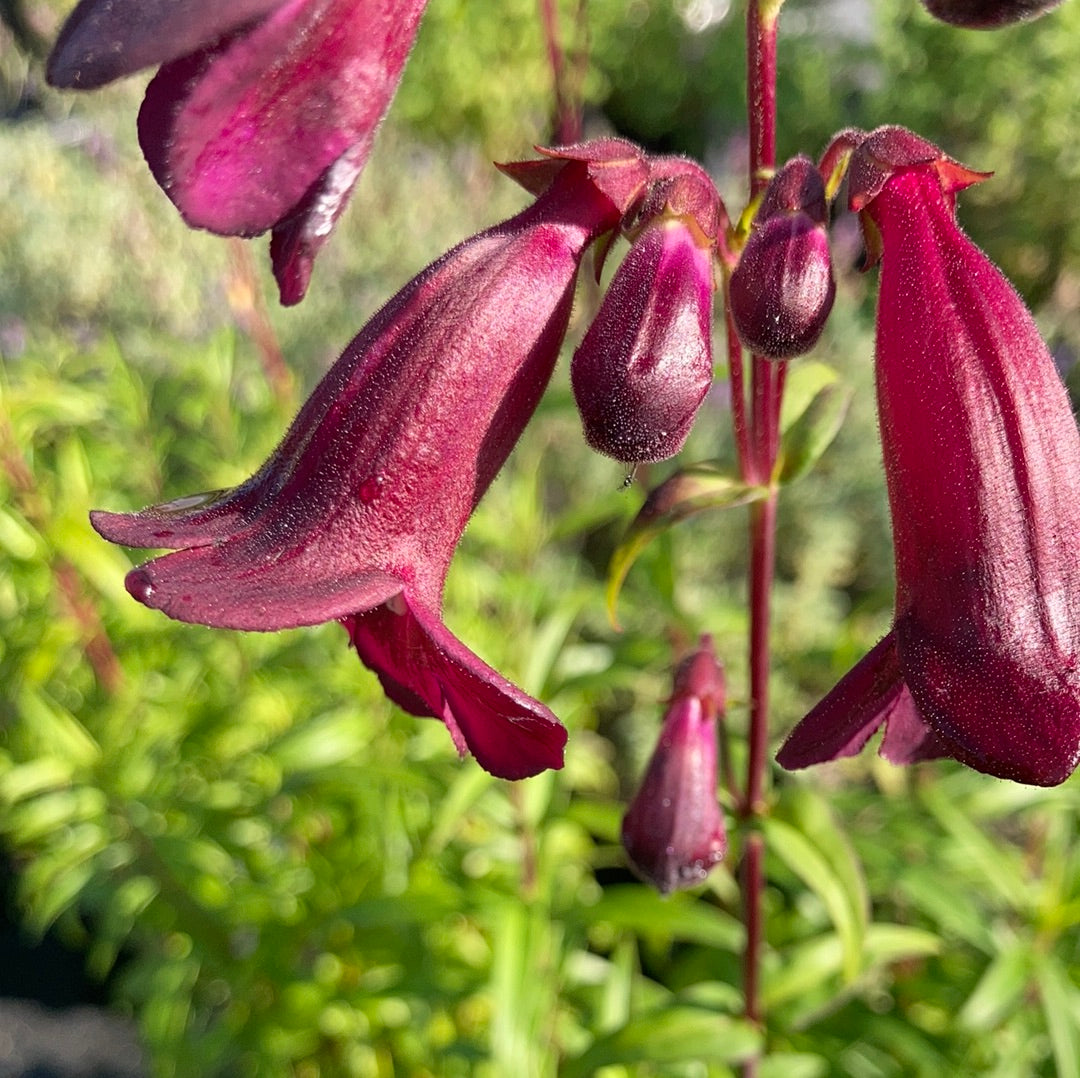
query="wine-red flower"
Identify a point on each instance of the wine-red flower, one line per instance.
(263, 112)
(673, 831)
(357, 514)
(982, 461)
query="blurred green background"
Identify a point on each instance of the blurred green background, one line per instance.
(274, 871)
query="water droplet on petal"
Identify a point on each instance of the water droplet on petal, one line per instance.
(140, 585)
(369, 489)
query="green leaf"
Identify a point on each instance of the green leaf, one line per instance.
(686, 493)
(673, 1034)
(806, 440)
(804, 382)
(845, 903)
(1061, 1006)
(807, 967)
(679, 916)
(793, 1065)
(999, 990)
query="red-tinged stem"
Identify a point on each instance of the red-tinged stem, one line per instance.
(766, 390)
(737, 384)
(567, 113)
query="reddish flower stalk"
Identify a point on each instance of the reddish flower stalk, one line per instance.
(982, 460)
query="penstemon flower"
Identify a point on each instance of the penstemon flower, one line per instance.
(982, 459)
(263, 112)
(357, 514)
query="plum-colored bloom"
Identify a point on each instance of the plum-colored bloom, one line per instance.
(673, 831)
(357, 514)
(645, 364)
(782, 290)
(982, 461)
(263, 112)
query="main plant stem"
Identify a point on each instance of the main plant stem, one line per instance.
(766, 390)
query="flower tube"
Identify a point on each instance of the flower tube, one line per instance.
(982, 461)
(357, 514)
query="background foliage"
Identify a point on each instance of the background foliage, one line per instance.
(280, 874)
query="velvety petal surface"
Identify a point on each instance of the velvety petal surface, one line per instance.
(645, 364)
(427, 671)
(239, 134)
(982, 459)
(104, 40)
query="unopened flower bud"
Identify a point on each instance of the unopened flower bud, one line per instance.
(673, 831)
(782, 290)
(988, 14)
(645, 364)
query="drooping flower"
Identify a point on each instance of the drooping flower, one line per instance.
(357, 514)
(782, 290)
(982, 461)
(673, 831)
(645, 364)
(263, 112)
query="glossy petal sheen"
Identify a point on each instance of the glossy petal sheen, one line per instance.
(239, 134)
(357, 514)
(982, 459)
(645, 364)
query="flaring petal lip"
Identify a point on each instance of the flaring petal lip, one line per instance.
(427, 671)
(103, 40)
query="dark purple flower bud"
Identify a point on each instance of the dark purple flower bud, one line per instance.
(982, 460)
(645, 364)
(988, 14)
(264, 112)
(357, 514)
(673, 831)
(782, 290)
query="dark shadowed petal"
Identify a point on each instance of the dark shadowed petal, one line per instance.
(104, 40)
(427, 671)
(848, 717)
(238, 136)
(988, 14)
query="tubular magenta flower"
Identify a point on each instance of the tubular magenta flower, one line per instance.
(357, 514)
(673, 831)
(782, 290)
(982, 460)
(263, 112)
